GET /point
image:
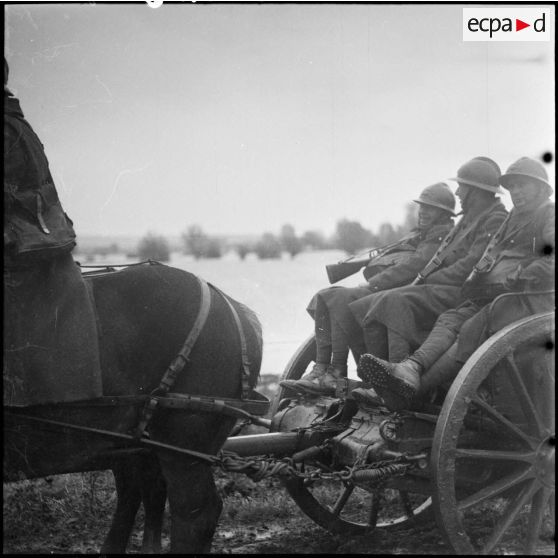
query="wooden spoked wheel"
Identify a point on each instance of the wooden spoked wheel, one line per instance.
(299, 363)
(493, 451)
(341, 506)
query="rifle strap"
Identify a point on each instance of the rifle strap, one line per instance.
(460, 229)
(488, 259)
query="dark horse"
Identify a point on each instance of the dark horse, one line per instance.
(145, 313)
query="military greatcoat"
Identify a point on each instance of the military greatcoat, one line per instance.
(393, 268)
(523, 261)
(411, 311)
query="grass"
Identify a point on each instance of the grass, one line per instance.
(72, 513)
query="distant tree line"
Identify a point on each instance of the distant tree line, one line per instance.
(349, 236)
(154, 247)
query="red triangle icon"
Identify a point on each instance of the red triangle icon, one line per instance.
(519, 25)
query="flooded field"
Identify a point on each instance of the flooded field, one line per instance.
(277, 290)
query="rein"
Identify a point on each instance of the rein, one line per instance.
(127, 437)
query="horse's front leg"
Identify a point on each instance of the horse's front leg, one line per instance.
(128, 490)
(154, 496)
(195, 506)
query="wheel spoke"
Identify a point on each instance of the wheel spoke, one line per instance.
(525, 400)
(510, 514)
(375, 504)
(406, 504)
(538, 505)
(494, 489)
(496, 415)
(343, 498)
(495, 455)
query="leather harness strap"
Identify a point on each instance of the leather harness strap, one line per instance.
(181, 358)
(179, 362)
(245, 377)
(177, 365)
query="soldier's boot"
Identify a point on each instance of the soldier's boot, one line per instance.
(441, 373)
(318, 370)
(396, 383)
(366, 397)
(322, 380)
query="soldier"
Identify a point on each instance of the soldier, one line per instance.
(335, 328)
(397, 321)
(50, 337)
(520, 257)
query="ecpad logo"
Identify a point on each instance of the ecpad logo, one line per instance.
(507, 24)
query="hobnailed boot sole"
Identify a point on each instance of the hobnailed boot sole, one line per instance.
(397, 395)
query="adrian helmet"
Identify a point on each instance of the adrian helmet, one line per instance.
(438, 195)
(528, 167)
(480, 172)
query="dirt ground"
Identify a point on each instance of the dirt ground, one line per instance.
(70, 514)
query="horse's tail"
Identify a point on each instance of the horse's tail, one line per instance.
(254, 339)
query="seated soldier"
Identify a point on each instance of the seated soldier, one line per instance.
(397, 321)
(50, 337)
(335, 328)
(520, 257)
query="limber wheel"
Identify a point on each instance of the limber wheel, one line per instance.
(295, 369)
(342, 507)
(493, 450)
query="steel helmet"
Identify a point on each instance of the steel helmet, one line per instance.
(526, 167)
(480, 172)
(438, 195)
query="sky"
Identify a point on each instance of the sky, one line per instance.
(241, 118)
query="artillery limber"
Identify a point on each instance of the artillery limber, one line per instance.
(479, 457)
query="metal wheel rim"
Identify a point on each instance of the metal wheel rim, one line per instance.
(331, 516)
(443, 456)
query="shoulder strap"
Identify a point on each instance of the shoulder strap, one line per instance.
(438, 258)
(488, 260)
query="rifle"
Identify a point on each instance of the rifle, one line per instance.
(348, 267)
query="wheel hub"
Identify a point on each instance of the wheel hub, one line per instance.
(545, 462)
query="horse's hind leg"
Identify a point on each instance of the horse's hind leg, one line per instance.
(195, 506)
(128, 490)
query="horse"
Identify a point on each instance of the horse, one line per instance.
(144, 314)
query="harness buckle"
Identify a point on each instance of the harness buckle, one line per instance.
(147, 414)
